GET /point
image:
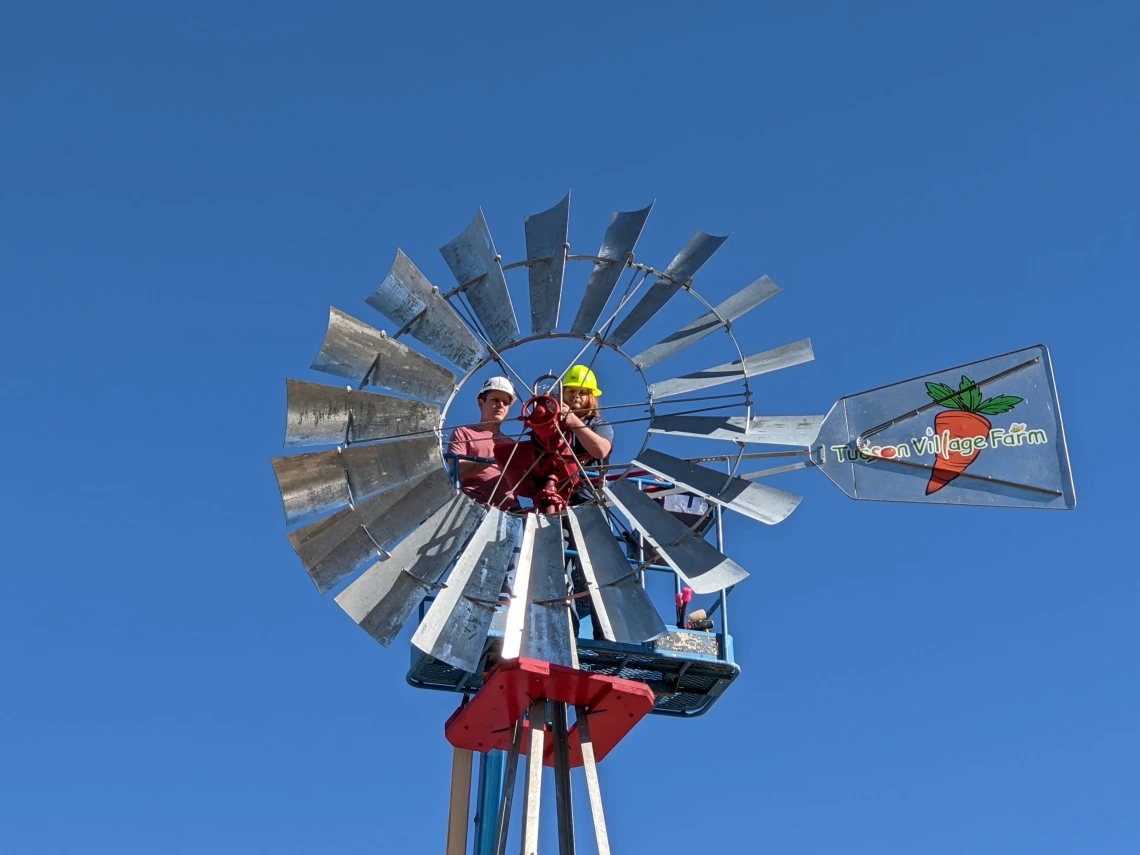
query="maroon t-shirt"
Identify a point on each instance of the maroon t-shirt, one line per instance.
(475, 442)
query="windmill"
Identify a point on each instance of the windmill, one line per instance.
(379, 515)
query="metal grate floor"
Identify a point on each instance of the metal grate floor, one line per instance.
(685, 686)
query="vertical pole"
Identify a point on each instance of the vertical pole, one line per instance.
(533, 793)
(460, 801)
(490, 794)
(504, 822)
(641, 542)
(723, 593)
(593, 788)
(562, 796)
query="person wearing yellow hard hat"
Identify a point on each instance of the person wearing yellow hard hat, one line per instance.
(593, 437)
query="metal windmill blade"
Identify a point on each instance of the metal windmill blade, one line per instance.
(703, 567)
(621, 607)
(616, 251)
(367, 356)
(327, 415)
(538, 619)
(546, 236)
(478, 270)
(761, 430)
(776, 359)
(326, 481)
(743, 301)
(455, 628)
(680, 271)
(336, 547)
(766, 504)
(410, 300)
(383, 598)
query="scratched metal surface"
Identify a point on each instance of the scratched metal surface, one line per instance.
(383, 597)
(618, 242)
(761, 430)
(338, 546)
(681, 269)
(778, 358)
(700, 564)
(758, 501)
(546, 235)
(475, 263)
(329, 415)
(352, 348)
(454, 630)
(410, 300)
(621, 607)
(546, 630)
(737, 305)
(320, 482)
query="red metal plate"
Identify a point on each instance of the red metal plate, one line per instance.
(614, 707)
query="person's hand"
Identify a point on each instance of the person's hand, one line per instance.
(571, 418)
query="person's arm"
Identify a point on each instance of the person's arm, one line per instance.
(458, 445)
(595, 445)
(467, 468)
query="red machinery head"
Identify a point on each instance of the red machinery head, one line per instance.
(541, 467)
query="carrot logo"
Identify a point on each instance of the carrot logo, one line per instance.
(963, 419)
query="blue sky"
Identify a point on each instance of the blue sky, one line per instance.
(185, 193)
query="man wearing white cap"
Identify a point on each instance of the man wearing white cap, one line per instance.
(478, 480)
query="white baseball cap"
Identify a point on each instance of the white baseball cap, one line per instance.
(499, 384)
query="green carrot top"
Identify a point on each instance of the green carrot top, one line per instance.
(969, 398)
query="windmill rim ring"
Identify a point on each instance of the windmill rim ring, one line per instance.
(631, 264)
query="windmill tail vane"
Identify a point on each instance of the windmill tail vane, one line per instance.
(523, 559)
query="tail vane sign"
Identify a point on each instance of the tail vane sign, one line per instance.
(987, 433)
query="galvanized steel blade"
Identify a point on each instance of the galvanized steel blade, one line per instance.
(546, 235)
(336, 547)
(796, 353)
(325, 481)
(617, 245)
(455, 628)
(476, 265)
(761, 430)
(410, 300)
(329, 415)
(742, 301)
(546, 625)
(681, 269)
(355, 350)
(698, 562)
(766, 504)
(621, 607)
(383, 598)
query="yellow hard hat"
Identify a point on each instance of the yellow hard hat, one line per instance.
(582, 377)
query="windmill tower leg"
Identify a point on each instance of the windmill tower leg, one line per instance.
(562, 795)
(460, 801)
(590, 769)
(533, 793)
